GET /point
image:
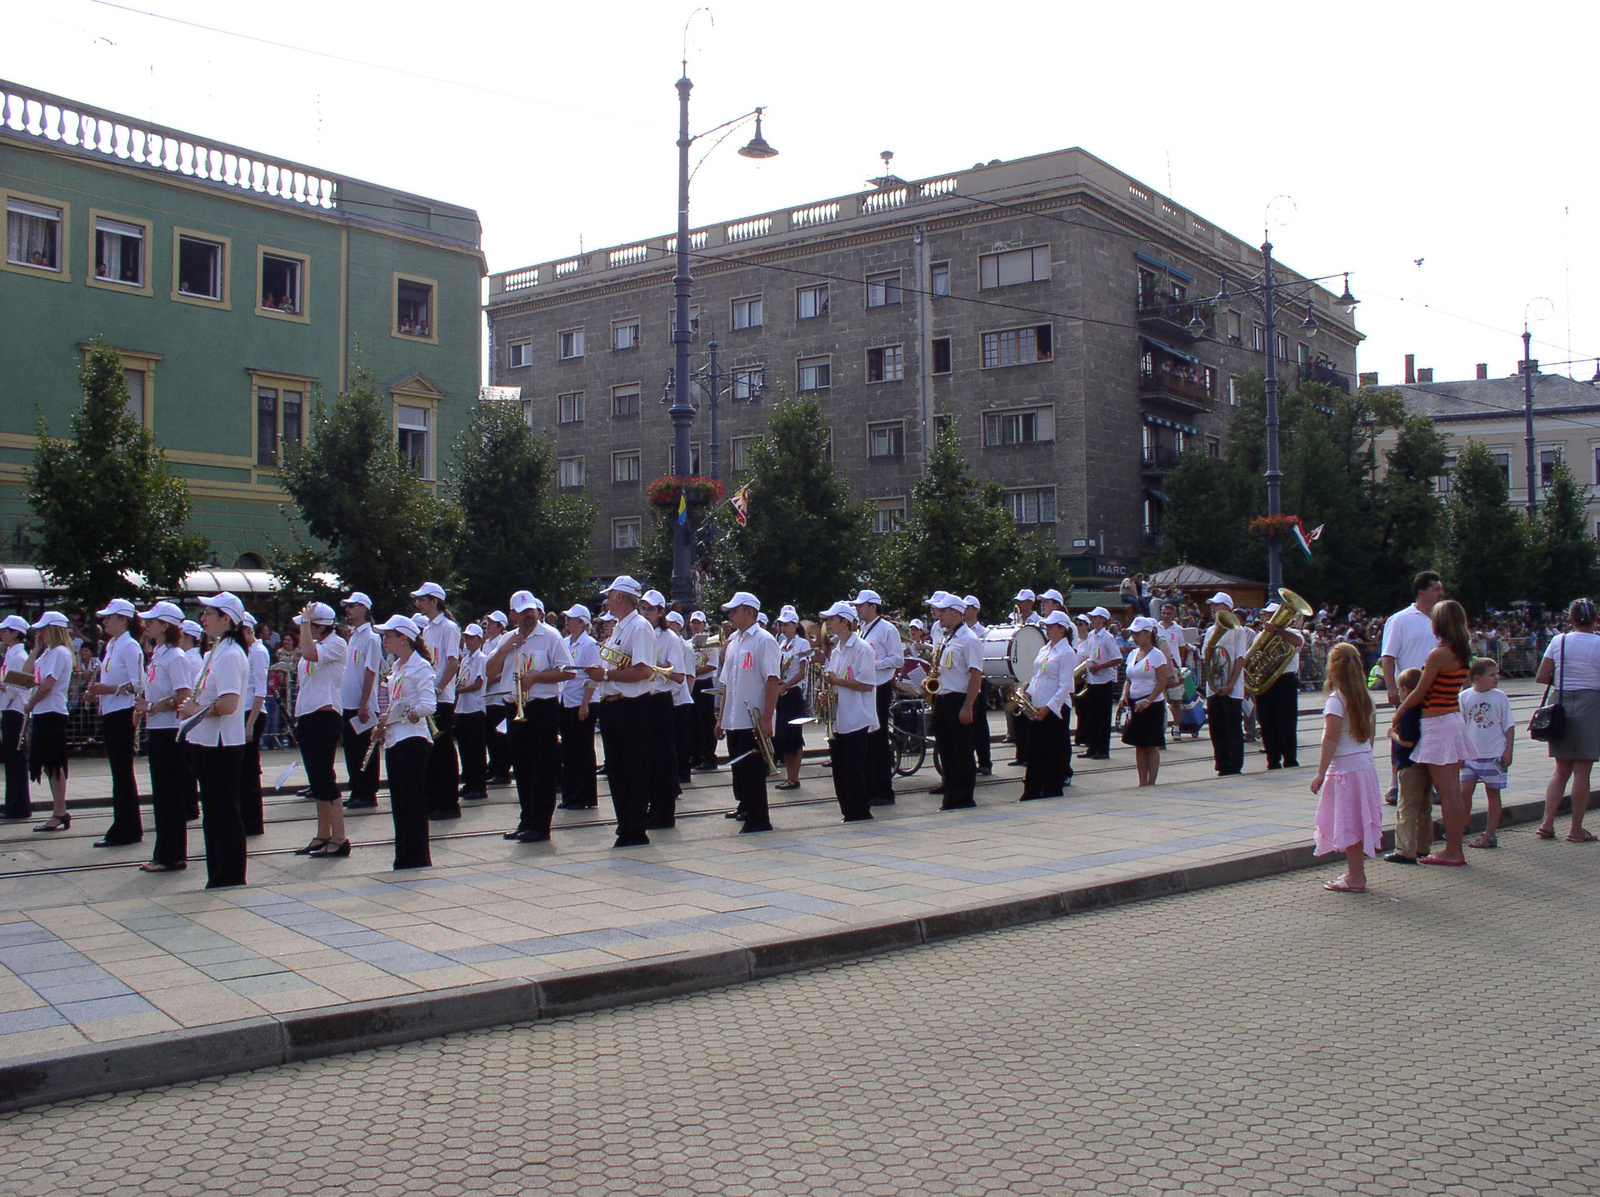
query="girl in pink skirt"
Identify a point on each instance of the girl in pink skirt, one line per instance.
(1350, 813)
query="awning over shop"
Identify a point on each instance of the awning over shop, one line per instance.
(1152, 493)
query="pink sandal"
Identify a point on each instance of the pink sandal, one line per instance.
(1439, 860)
(1341, 885)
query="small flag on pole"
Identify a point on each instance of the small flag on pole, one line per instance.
(1316, 533)
(741, 504)
(1305, 541)
(683, 506)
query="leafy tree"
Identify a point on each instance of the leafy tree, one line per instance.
(1408, 512)
(106, 501)
(1484, 547)
(958, 535)
(517, 532)
(1563, 559)
(372, 519)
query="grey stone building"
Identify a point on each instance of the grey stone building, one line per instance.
(1052, 306)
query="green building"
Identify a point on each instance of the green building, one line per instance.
(238, 287)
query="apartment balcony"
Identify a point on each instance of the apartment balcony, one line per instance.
(1322, 371)
(1174, 318)
(1152, 541)
(1185, 387)
(1158, 459)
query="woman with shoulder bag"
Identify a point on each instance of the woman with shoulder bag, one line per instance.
(1572, 662)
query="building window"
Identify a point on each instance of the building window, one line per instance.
(887, 515)
(570, 343)
(519, 354)
(939, 278)
(887, 364)
(569, 408)
(1152, 517)
(1214, 446)
(694, 459)
(1034, 506)
(1442, 482)
(1597, 465)
(119, 252)
(201, 268)
(1283, 347)
(625, 534)
(281, 279)
(747, 312)
(135, 380)
(739, 453)
(883, 289)
(811, 301)
(749, 382)
(1015, 266)
(1547, 465)
(413, 309)
(1016, 346)
(1233, 391)
(816, 373)
(569, 472)
(941, 355)
(416, 442)
(1503, 460)
(1304, 352)
(1235, 329)
(1260, 341)
(34, 235)
(625, 467)
(887, 439)
(625, 333)
(1025, 426)
(1208, 379)
(625, 401)
(280, 416)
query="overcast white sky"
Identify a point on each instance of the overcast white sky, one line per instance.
(1403, 130)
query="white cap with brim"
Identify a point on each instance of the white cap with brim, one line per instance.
(653, 598)
(674, 617)
(1079, 618)
(608, 618)
(498, 617)
(868, 596)
(523, 600)
(579, 611)
(321, 615)
(356, 596)
(943, 600)
(14, 623)
(51, 619)
(842, 610)
(972, 601)
(625, 584)
(919, 625)
(164, 611)
(249, 620)
(1222, 597)
(473, 629)
(429, 590)
(742, 598)
(1143, 623)
(1057, 619)
(1025, 596)
(1099, 613)
(399, 623)
(789, 615)
(228, 603)
(191, 628)
(700, 615)
(120, 607)
(1054, 596)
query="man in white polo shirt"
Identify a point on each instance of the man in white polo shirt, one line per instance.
(750, 666)
(1408, 638)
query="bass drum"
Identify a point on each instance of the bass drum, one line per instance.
(1009, 653)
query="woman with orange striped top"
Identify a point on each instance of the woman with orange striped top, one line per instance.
(1443, 745)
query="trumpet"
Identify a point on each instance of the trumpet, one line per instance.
(1016, 702)
(703, 641)
(763, 744)
(519, 696)
(618, 659)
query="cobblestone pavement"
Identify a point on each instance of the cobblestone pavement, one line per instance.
(1428, 1037)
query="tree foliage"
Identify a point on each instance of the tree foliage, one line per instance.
(106, 501)
(371, 518)
(1564, 561)
(516, 531)
(958, 535)
(1484, 547)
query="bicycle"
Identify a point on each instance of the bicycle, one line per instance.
(909, 738)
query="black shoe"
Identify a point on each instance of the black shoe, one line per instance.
(315, 845)
(56, 823)
(939, 789)
(500, 779)
(959, 806)
(571, 806)
(155, 866)
(705, 768)
(856, 819)
(474, 795)
(749, 827)
(1086, 756)
(111, 843)
(985, 770)
(1291, 764)
(631, 841)
(1270, 765)
(532, 837)
(332, 849)
(787, 785)
(360, 803)
(1400, 858)
(1021, 764)
(444, 813)
(513, 835)
(736, 813)
(881, 802)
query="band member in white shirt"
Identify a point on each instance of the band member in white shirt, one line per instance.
(1278, 706)
(358, 701)
(851, 668)
(118, 688)
(536, 656)
(499, 706)
(625, 677)
(682, 663)
(1049, 769)
(317, 715)
(1225, 703)
(218, 737)
(1169, 635)
(1099, 649)
(46, 704)
(1019, 731)
(749, 703)
(706, 661)
(413, 688)
(471, 720)
(888, 650)
(578, 788)
(259, 658)
(794, 663)
(443, 636)
(166, 688)
(662, 807)
(13, 697)
(958, 657)
(980, 723)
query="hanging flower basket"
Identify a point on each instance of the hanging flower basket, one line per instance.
(663, 492)
(1267, 525)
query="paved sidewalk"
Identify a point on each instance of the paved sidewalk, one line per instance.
(96, 952)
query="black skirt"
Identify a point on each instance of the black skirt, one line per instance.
(787, 737)
(1147, 728)
(47, 755)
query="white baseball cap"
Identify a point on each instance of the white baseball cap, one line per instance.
(429, 590)
(608, 618)
(321, 614)
(789, 614)
(400, 623)
(191, 628)
(1053, 595)
(625, 584)
(743, 598)
(356, 596)
(842, 610)
(1079, 618)
(576, 611)
(1222, 597)
(473, 629)
(700, 615)
(653, 598)
(228, 603)
(120, 607)
(868, 596)
(1025, 596)
(675, 617)
(523, 600)
(164, 611)
(1058, 619)
(919, 625)
(972, 601)
(1143, 623)
(249, 620)
(51, 619)
(1100, 613)
(944, 600)
(761, 618)
(498, 617)
(14, 623)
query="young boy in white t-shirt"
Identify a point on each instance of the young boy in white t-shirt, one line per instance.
(1487, 712)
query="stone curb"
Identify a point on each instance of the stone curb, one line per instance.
(174, 1056)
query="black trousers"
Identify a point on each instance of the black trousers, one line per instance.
(444, 771)
(954, 741)
(472, 736)
(127, 826)
(407, 764)
(251, 808)
(1225, 721)
(535, 757)
(980, 728)
(749, 779)
(1097, 704)
(222, 824)
(167, 797)
(19, 803)
(1048, 760)
(499, 743)
(880, 760)
(1020, 733)
(363, 782)
(1278, 716)
(704, 751)
(662, 750)
(847, 752)
(318, 736)
(624, 730)
(683, 723)
(578, 785)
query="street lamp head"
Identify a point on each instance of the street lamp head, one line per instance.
(758, 147)
(1222, 295)
(1347, 301)
(1197, 325)
(1309, 326)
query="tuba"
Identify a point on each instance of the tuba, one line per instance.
(1270, 654)
(1216, 662)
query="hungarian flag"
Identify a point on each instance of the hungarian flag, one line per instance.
(1316, 533)
(1305, 540)
(741, 504)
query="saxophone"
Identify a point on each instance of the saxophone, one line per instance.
(930, 684)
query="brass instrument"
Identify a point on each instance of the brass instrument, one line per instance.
(930, 684)
(822, 697)
(618, 659)
(518, 695)
(1080, 680)
(763, 745)
(1016, 702)
(1271, 653)
(1216, 662)
(702, 641)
